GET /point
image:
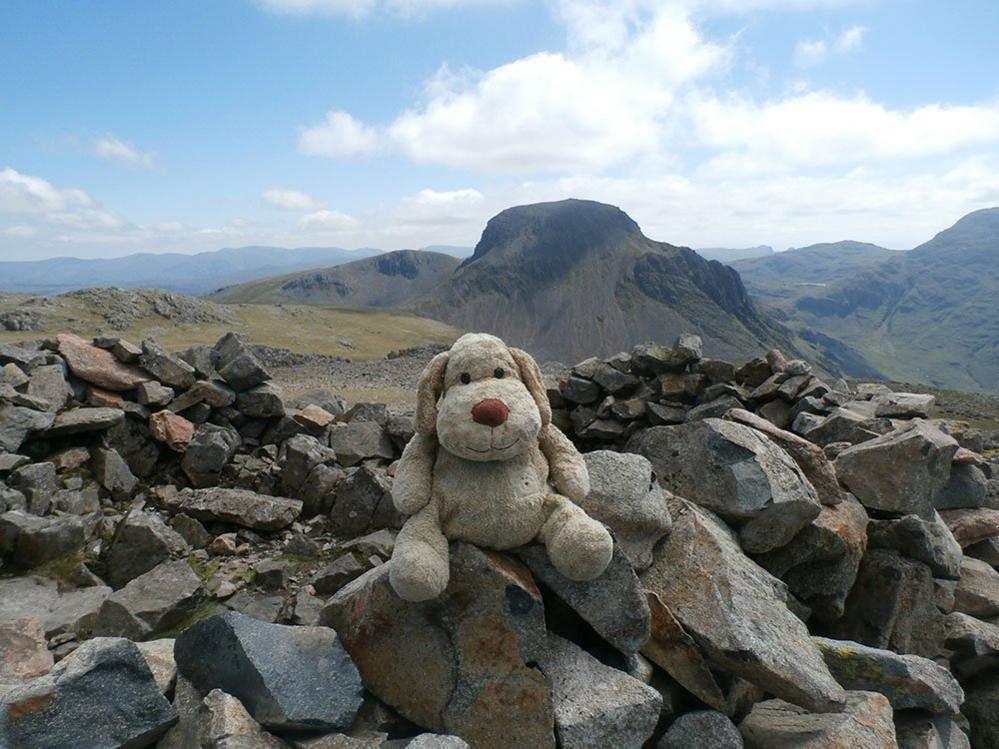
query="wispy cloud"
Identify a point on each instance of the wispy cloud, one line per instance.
(118, 151)
(292, 200)
(812, 52)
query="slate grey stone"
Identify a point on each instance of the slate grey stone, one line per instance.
(360, 440)
(165, 367)
(704, 729)
(261, 401)
(237, 365)
(29, 541)
(151, 603)
(237, 506)
(113, 473)
(16, 423)
(142, 541)
(967, 487)
(208, 452)
(37, 482)
(80, 420)
(72, 611)
(925, 540)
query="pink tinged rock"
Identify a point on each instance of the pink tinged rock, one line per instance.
(314, 416)
(97, 366)
(24, 653)
(970, 526)
(171, 429)
(866, 723)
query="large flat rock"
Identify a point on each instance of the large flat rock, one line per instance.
(237, 506)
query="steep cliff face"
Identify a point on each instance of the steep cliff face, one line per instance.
(575, 278)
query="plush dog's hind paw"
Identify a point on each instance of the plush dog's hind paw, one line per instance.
(581, 549)
(418, 579)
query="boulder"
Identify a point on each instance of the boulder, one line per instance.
(460, 663)
(314, 418)
(903, 405)
(901, 471)
(237, 506)
(113, 473)
(891, 606)
(981, 698)
(732, 470)
(29, 541)
(237, 365)
(167, 368)
(48, 384)
(908, 681)
(158, 655)
(363, 502)
(142, 541)
(80, 420)
(613, 604)
(24, 654)
(917, 730)
(37, 482)
(102, 695)
(72, 611)
(704, 729)
(287, 677)
(597, 706)
(820, 563)
(208, 452)
(967, 487)
(360, 440)
(97, 366)
(225, 724)
(261, 401)
(132, 441)
(298, 456)
(974, 643)
(977, 591)
(926, 540)
(154, 394)
(700, 570)
(16, 423)
(171, 429)
(333, 576)
(970, 526)
(843, 424)
(152, 603)
(625, 496)
(865, 723)
(810, 458)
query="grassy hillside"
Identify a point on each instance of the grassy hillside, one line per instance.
(178, 321)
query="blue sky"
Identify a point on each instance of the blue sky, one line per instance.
(188, 126)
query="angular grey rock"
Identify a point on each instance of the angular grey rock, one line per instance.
(844, 424)
(153, 393)
(901, 471)
(237, 365)
(865, 723)
(360, 502)
(225, 724)
(891, 606)
(903, 405)
(132, 440)
(580, 390)
(967, 487)
(625, 496)
(13, 375)
(237, 506)
(29, 541)
(614, 603)
(72, 611)
(461, 663)
(705, 729)
(977, 591)
(975, 644)
(613, 380)
(151, 603)
(37, 482)
(926, 540)
(981, 698)
(80, 420)
(167, 368)
(208, 452)
(820, 564)
(102, 695)
(597, 706)
(908, 681)
(809, 457)
(286, 677)
(142, 541)
(732, 470)
(16, 423)
(48, 383)
(360, 440)
(435, 741)
(661, 415)
(191, 530)
(714, 409)
(265, 607)
(298, 456)
(261, 401)
(700, 570)
(333, 576)
(113, 473)
(918, 730)
(158, 655)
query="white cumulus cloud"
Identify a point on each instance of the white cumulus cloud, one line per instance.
(327, 220)
(289, 199)
(120, 152)
(812, 52)
(23, 193)
(339, 136)
(446, 197)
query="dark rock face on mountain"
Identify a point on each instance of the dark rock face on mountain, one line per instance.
(928, 315)
(389, 280)
(575, 277)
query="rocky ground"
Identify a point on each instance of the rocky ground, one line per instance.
(193, 556)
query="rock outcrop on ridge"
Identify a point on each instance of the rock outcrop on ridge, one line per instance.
(190, 561)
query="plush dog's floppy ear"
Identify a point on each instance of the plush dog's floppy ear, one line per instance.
(530, 374)
(427, 394)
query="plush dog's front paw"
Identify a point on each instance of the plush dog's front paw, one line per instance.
(419, 573)
(581, 549)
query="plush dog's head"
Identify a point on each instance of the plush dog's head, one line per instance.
(482, 399)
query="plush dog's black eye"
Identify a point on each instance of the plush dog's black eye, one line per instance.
(498, 373)
(465, 378)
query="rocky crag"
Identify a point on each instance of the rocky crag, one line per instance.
(188, 560)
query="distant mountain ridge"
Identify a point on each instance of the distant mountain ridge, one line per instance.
(383, 281)
(190, 274)
(729, 255)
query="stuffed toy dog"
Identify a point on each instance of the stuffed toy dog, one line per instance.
(488, 467)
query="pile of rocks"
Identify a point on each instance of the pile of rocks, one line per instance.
(190, 561)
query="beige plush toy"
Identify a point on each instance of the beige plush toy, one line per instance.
(488, 467)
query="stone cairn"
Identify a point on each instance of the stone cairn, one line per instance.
(190, 561)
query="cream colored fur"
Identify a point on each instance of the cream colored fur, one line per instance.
(494, 486)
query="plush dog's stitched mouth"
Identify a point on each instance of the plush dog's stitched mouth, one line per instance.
(491, 449)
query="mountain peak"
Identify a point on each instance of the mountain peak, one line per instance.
(579, 224)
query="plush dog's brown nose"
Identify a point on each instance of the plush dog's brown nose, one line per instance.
(490, 412)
